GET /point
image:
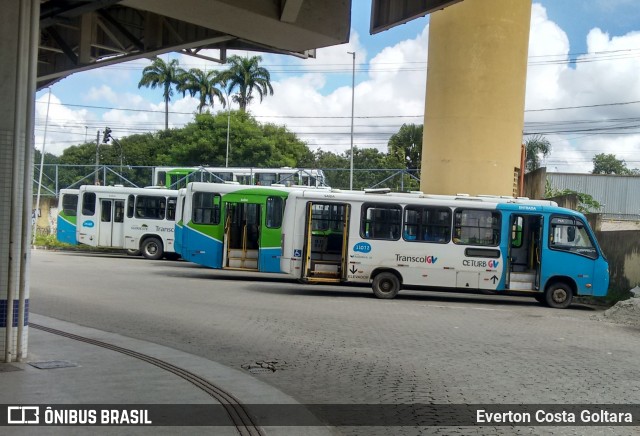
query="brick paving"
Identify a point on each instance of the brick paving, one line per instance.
(340, 345)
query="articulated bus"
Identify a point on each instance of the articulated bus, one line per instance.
(178, 177)
(67, 215)
(129, 218)
(231, 226)
(487, 244)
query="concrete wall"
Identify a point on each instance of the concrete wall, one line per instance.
(622, 249)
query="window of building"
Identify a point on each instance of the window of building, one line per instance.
(476, 227)
(381, 221)
(427, 224)
(206, 208)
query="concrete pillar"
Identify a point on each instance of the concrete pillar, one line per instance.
(474, 110)
(18, 47)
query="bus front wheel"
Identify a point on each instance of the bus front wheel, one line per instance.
(558, 295)
(152, 248)
(386, 285)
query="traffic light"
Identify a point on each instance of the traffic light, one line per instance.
(107, 135)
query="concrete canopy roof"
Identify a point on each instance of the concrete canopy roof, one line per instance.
(79, 35)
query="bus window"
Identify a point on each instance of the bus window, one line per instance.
(381, 221)
(118, 216)
(275, 209)
(70, 204)
(516, 232)
(427, 224)
(161, 178)
(266, 179)
(130, 205)
(206, 208)
(106, 211)
(570, 234)
(150, 207)
(88, 203)
(171, 208)
(477, 227)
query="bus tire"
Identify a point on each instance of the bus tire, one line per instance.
(386, 285)
(558, 295)
(152, 248)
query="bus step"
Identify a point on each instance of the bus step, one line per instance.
(243, 263)
(239, 253)
(522, 281)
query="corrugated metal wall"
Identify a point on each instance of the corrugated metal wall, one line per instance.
(618, 194)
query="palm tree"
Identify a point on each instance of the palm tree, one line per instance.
(205, 84)
(165, 75)
(535, 146)
(247, 75)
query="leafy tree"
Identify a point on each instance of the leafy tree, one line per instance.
(204, 84)
(534, 147)
(164, 75)
(385, 175)
(246, 75)
(609, 164)
(586, 203)
(406, 145)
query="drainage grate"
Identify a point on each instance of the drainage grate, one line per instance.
(52, 364)
(7, 367)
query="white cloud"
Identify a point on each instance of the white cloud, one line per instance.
(313, 97)
(608, 74)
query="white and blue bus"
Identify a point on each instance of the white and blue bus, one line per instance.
(135, 219)
(67, 215)
(484, 243)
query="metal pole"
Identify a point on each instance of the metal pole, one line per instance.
(44, 140)
(353, 82)
(97, 174)
(226, 163)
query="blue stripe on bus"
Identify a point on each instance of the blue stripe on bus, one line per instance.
(209, 252)
(269, 260)
(177, 242)
(66, 232)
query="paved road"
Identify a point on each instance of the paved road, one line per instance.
(340, 344)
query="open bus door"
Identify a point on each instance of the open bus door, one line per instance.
(111, 226)
(242, 236)
(326, 242)
(524, 252)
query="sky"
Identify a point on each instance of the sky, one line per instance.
(583, 88)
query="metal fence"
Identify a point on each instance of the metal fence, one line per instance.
(60, 176)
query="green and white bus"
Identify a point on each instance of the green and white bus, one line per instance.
(231, 226)
(178, 177)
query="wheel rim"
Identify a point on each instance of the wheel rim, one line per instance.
(559, 295)
(152, 249)
(386, 286)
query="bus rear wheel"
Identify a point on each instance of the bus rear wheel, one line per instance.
(152, 248)
(386, 285)
(558, 295)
